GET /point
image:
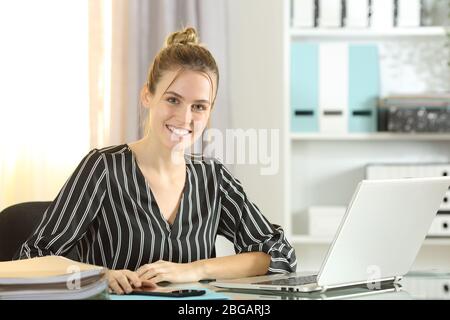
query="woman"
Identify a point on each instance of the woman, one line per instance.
(149, 212)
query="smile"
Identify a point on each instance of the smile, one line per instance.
(178, 131)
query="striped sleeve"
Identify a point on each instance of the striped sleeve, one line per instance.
(242, 223)
(68, 217)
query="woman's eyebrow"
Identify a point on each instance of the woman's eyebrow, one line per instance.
(182, 98)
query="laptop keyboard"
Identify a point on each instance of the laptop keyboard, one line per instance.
(292, 281)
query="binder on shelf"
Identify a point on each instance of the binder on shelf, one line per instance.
(357, 13)
(364, 88)
(408, 13)
(382, 14)
(304, 87)
(330, 13)
(303, 13)
(333, 87)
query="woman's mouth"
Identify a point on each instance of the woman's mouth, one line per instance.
(181, 132)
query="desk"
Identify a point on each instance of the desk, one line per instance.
(415, 285)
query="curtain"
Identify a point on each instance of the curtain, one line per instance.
(110, 114)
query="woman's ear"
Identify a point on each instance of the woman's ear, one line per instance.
(145, 97)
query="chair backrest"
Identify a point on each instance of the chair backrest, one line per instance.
(17, 223)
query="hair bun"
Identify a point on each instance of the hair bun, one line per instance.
(187, 36)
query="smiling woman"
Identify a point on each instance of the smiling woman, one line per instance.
(44, 109)
(149, 211)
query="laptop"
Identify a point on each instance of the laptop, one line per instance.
(377, 240)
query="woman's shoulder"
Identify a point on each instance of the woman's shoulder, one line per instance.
(110, 150)
(114, 149)
(96, 154)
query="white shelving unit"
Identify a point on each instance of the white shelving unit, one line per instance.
(324, 169)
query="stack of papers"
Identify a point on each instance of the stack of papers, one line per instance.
(50, 278)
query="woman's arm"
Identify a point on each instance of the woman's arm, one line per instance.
(247, 228)
(247, 264)
(68, 217)
(241, 265)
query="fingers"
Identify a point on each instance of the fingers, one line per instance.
(156, 272)
(158, 278)
(133, 278)
(123, 282)
(146, 267)
(149, 274)
(148, 271)
(114, 286)
(143, 269)
(149, 284)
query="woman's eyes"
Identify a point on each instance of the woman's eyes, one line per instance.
(198, 107)
(172, 100)
(195, 107)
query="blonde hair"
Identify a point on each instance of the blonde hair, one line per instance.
(182, 50)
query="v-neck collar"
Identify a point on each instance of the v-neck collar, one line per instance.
(159, 215)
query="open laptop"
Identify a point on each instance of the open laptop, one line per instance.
(377, 241)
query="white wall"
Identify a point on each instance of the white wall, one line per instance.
(257, 93)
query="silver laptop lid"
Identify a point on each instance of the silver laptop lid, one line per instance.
(382, 230)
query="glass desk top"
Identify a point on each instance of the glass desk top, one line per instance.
(417, 285)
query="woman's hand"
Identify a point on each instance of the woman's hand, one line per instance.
(122, 281)
(169, 271)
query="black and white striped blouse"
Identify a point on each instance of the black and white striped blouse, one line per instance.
(108, 212)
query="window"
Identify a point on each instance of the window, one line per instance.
(44, 96)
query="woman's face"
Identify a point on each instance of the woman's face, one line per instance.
(180, 113)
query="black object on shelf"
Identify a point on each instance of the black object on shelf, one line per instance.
(414, 119)
(415, 113)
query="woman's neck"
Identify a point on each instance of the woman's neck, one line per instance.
(152, 155)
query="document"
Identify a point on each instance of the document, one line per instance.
(50, 277)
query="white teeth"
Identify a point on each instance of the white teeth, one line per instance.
(178, 131)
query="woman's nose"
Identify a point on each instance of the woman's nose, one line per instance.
(185, 114)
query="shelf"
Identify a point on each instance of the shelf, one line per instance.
(369, 33)
(305, 239)
(370, 136)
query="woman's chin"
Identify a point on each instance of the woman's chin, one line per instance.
(179, 145)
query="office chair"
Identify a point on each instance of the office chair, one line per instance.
(17, 223)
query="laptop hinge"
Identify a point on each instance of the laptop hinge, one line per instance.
(398, 278)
